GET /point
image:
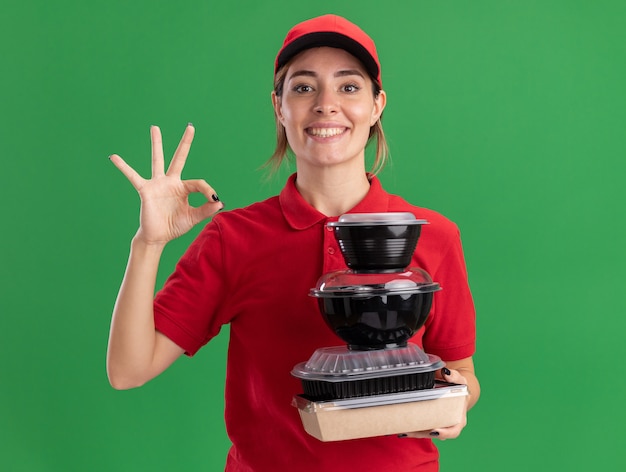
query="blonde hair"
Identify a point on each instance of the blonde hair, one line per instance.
(282, 149)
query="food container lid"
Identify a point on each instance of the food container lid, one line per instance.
(340, 364)
(441, 390)
(377, 219)
(363, 284)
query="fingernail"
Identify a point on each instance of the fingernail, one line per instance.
(215, 198)
(189, 124)
(403, 435)
(445, 371)
(434, 433)
(110, 156)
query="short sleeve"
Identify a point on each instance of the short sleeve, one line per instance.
(451, 327)
(187, 308)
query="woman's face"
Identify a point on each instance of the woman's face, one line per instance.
(327, 107)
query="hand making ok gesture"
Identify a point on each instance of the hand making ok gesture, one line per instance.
(165, 210)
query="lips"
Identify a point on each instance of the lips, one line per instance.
(325, 132)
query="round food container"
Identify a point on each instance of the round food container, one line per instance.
(377, 241)
(375, 310)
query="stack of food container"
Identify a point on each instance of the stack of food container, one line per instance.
(378, 383)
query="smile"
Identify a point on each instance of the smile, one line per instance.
(325, 132)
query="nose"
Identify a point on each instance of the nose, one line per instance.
(326, 102)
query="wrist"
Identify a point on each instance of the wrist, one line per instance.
(138, 243)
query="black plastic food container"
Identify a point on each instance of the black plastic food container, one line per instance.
(377, 242)
(337, 372)
(375, 310)
(376, 321)
(319, 390)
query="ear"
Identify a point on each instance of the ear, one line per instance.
(276, 103)
(379, 105)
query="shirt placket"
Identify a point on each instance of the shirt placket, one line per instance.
(333, 259)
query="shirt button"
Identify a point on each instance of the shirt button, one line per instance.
(331, 250)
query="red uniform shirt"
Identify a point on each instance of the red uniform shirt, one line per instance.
(253, 268)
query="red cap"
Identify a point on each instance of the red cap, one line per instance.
(332, 31)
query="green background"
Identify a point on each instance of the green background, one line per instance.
(506, 116)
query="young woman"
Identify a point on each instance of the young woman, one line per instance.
(253, 267)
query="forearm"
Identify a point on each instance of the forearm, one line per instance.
(132, 337)
(473, 386)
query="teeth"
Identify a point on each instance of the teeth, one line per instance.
(325, 132)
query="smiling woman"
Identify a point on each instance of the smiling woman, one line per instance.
(327, 109)
(359, 46)
(253, 268)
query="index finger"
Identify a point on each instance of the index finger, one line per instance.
(182, 151)
(131, 174)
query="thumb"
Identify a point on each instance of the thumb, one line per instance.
(213, 204)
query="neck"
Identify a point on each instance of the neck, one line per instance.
(332, 191)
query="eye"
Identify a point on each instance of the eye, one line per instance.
(302, 88)
(350, 88)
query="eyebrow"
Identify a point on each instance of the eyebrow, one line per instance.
(340, 73)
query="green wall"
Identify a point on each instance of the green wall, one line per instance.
(506, 116)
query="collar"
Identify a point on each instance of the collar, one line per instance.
(301, 215)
